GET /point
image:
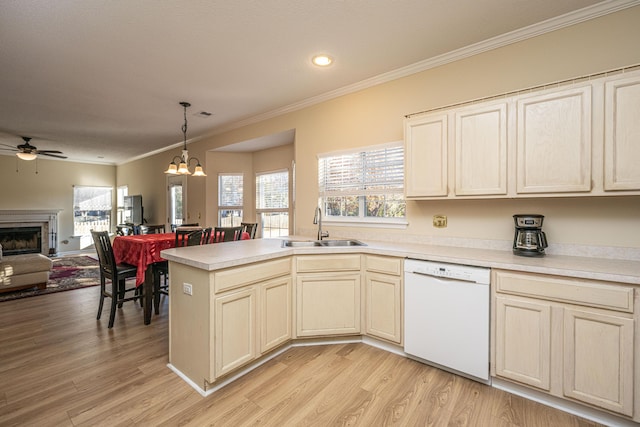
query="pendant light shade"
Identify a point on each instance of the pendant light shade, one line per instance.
(180, 164)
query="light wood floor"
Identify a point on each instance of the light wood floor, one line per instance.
(61, 367)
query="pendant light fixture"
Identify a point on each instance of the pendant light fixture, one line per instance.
(182, 165)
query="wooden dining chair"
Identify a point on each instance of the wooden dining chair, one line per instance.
(226, 234)
(249, 228)
(116, 273)
(175, 226)
(206, 236)
(152, 229)
(185, 236)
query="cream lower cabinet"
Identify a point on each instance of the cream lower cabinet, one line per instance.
(598, 359)
(235, 329)
(252, 312)
(251, 321)
(328, 295)
(571, 338)
(275, 313)
(523, 341)
(383, 298)
(233, 317)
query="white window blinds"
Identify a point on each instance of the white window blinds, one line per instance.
(272, 190)
(230, 190)
(378, 170)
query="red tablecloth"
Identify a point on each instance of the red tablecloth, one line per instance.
(142, 250)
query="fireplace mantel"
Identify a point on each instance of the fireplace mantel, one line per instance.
(47, 218)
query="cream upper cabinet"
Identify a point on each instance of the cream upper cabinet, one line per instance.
(554, 142)
(481, 150)
(383, 297)
(426, 146)
(622, 133)
(576, 139)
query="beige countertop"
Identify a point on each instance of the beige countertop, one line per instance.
(230, 254)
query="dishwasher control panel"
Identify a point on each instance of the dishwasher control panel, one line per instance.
(465, 273)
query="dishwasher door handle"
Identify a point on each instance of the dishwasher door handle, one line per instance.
(443, 278)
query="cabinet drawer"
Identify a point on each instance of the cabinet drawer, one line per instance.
(252, 273)
(574, 291)
(333, 263)
(384, 265)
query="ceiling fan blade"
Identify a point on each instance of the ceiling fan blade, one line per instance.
(52, 155)
(49, 151)
(10, 146)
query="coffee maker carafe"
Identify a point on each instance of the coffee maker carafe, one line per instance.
(529, 239)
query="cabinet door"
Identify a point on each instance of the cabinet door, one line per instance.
(523, 341)
(554, 142)
(426, 156)
(235, 330)
(328, 304)
(622, 133)
(275, 313)
(383, 306)
(481, 150)
(598, 360)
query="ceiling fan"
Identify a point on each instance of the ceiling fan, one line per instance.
(27, 151)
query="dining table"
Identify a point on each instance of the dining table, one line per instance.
(142, 250)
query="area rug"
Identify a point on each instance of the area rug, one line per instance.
(68, 273)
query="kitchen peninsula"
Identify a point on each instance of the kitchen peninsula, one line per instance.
(238, 304)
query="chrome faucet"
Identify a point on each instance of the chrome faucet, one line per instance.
(317, 219)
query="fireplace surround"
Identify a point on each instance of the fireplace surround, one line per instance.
(29, 231)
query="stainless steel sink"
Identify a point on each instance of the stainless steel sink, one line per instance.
(320, 243)
(299, 243)
(340, 243)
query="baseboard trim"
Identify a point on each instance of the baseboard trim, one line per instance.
(562, 404)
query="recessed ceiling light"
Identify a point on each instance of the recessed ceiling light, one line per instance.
(322, 60)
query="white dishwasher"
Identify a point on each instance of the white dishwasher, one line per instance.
(446, 316)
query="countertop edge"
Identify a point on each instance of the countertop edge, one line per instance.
(211, 258)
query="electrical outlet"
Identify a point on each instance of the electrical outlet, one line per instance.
(440, 221)
(187, 288)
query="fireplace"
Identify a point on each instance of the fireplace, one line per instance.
(21, 240)
(29, 231)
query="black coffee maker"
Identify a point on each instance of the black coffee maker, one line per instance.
(529, 239)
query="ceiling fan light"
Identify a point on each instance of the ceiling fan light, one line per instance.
(26, 156)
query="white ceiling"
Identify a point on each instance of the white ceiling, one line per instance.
(101, 80)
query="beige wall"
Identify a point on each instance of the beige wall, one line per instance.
(50, 188)
(375, 115)
(247, 163)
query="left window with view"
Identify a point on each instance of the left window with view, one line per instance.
(92, 208)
